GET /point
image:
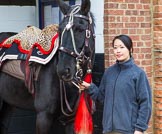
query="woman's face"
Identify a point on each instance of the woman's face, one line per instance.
(120, 50)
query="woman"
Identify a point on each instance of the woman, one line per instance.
(125, 92)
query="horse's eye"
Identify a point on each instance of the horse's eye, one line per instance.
(81, 22)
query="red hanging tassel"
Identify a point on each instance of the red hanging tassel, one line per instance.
(83, 120)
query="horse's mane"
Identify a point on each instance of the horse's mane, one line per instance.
(93, 19)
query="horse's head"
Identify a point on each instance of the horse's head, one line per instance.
(77, 44)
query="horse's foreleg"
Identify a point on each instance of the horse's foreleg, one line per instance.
(43, 123)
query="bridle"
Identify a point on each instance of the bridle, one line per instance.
(80, 57)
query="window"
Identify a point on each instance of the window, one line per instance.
(18, 2)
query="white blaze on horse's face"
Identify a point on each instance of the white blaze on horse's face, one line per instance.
(72, 33)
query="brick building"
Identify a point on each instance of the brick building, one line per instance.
(142, 20)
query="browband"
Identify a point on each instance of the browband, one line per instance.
(78, 15)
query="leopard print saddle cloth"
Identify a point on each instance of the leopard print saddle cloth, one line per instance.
(33, 43)
(34, 36)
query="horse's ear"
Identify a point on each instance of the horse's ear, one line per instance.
(85, 7)
(63, 6)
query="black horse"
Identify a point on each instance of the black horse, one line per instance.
(67, 68)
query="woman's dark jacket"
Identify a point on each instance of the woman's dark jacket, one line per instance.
(126, 94)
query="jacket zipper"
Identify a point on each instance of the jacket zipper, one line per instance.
(114, 97)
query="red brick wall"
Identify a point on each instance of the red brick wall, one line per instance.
(134, 18)
(157, 48)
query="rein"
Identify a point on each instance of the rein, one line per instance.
(80, 57)
(63, 94)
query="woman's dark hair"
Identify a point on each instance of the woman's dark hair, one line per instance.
(127, 42)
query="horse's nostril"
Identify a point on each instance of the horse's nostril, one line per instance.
(67, 71)
(66, 74)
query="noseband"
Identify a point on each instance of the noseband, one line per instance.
(80, 57)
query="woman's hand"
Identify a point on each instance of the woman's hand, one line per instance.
(138, 132)
(84, 85)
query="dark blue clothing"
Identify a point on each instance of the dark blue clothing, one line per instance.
(126, 94)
